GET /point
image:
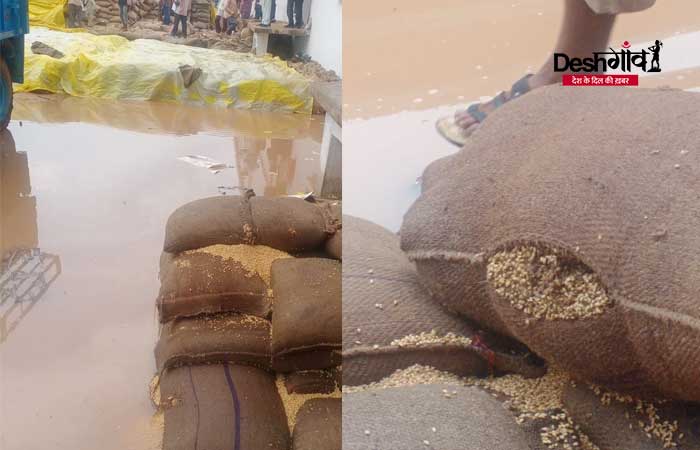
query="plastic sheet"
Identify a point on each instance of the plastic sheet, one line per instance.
(113, 67)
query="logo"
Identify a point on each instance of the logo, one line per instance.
(623, 60)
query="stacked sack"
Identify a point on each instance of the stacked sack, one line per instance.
(201, 14)
(569, 222)
(248, 354)
(107, 12)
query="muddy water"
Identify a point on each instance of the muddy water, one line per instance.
(410, 62)
(76, 350)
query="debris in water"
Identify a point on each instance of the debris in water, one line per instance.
(205, 162)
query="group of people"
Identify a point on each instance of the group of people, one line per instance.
(228, 13)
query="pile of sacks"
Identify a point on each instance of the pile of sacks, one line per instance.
(107, 12)
(566, 228)
(250, 311)
(201, 14)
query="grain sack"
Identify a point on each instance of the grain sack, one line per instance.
(218, 407)
(209, 221)
(311, 382)
(287, 223)
(319, 425)
(334, 245)
(616, 421)
(219, 338)
(561, 173)
(293, 401)
(414, 417)
(390, 323)
(216, 279)
(306, 324)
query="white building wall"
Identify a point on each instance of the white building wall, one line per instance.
(325, 45)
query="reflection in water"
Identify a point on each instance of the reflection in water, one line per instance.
(103, 195)
(25, 271)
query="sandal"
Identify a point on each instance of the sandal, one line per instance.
(448, 128)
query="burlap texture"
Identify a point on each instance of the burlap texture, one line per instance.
(319, 425)
(383, 302)
(311, 382)
(196, 283)
(403, 418)
(222, 407)
(612, 176)
(285, 223)
(306, 324)
(214, 339)
(616, 425)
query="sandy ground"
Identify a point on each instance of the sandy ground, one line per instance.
(74, 370)
(410, 62)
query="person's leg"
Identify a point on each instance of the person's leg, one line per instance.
(298, 11)
(267, 10)
(166, 14)
(124, 15)
(582, 32)
(175, 25)
(273, 10)
(184, 26)
(290, 13)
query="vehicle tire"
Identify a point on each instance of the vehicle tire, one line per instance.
(5, 95)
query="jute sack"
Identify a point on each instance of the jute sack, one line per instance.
(319, 425)
(334, 245)
(216, 279)
(216, 338)
(306, 324)
(311, 382)
(287, 223)
(222, 407)
(389, 321)
(616, 421)
(562, 170)
(404, 418)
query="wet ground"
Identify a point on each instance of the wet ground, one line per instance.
(410, 62)
(77, 318)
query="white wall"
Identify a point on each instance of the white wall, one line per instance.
(325, 45)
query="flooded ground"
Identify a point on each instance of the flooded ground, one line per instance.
(410, 62)
(78, 321)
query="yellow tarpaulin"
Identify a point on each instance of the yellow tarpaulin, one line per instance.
(47, 13)
(113, 67)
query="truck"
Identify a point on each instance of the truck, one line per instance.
(14, 24)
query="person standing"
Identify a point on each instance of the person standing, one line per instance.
(182, 10)
(231, 14)
(294, 8)
(75, 7)
(258, 10)
(124, 13)
(266, 13)
(219, 22)
(246, 6)
(165, 8)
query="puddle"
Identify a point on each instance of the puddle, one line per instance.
(87, 208)
(410, 62)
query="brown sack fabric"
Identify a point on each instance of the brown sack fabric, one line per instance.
(562, 170)
(620, 422)
(390, 323)
(286, 223)
(406, 418)
(319, 425)
(219, 338)
(311, 382)
(222, 407)
(216, 279)
(209, 221)
(306, 324)
(334, 245)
